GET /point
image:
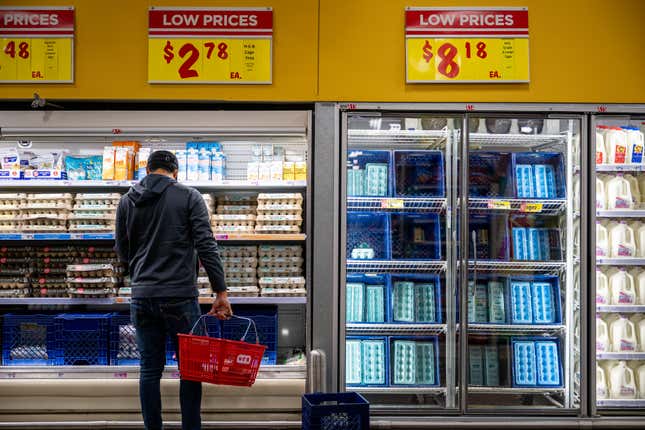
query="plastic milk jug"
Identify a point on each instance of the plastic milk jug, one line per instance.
(602, 335)
(601, 151)
(623, 335)
(601, 195)
(639, 228)
(622, 382)
(622, 240)
(635, 189)
(619, 193)
(634, 139)
(640, 375)
(602, 288)
(622, 288)
(641, 334)
(602, 240)
(616, 144)
(640, 289)
(601, 383)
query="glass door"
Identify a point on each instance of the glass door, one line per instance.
(522, 286)
(398, 301)
(620, 263)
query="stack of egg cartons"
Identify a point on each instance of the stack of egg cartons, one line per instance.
(280, 270)
(10, 212)
(49, 270)
(235, 215)
(279, 213)
(210, 203)
(240, 265)
(14, 269)
(46, 213)
(94, 213)
(91, 280)
(106, 256)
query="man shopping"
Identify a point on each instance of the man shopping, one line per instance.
(162, 228)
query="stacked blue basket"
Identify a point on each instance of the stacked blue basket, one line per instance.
(335, 411)
(82, 339)
(419, 174)
(28, 340)
(368, 236)
(415, 237)
(123, 344)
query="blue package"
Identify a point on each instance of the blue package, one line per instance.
(520, 243)
(524, 363)
(548, 363)
(542, 302)
(74, 167)
(93, 168)
(81, 168)
(204, 165)
(535, 244)
(521, 310)
(192, 145)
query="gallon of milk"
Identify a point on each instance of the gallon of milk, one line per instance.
(640, 376)
(619, 194)
(639, 229)
(601, 151)
(602, 240)
(640, 288)
(602, 288)
(616, 145)
(635, 189)
(602, 390)
(641, 335)
(623, 243)
(602, 335)
(622, 382)
(601, 195)
(634, 139)
(623, 335)
(623, 291)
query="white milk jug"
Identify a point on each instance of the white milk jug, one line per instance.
(601, 151)
(602, 288)
(640, 289)
(635, 189)
(634, 139)
(622, 240)
(623, 335)
(623, 291)
(602, 335)
(619, 193)
(616, 144)
(640, 238)
(640, 375)
(622, 382)
(601, 195)
(602, 391)
(602, 240)
(641, 335)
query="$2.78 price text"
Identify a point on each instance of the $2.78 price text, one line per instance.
(190, 54)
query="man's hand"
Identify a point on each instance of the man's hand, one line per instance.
(221, 307)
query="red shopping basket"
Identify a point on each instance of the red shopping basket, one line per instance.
(219, 361)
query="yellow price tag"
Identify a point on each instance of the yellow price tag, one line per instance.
(531, 207)
(499, 204)
(392, 204)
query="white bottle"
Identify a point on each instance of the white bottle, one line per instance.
(621, 285)
(640, 375)
(634, 138)
(640, 289)
(601, 195)
(623, 335)
(602, 288)
(602, 390)
(639, 228)
(635, 189)
(621, 237)
(601, 150)
(602, 336)
(619, 194)
(602, 240)
(623, 385)
(616, 144)
(641, 334)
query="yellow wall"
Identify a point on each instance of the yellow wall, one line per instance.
(581, 51)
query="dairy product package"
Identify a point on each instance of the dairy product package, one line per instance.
(204, 165)
(289, 171)
(264, 172)
(181, 164)
(300, 170)
(252, 171)
(276, 170)
(142, 163)
(218, 166)
(121, 164)
(192, 164)
(108, 163)
(9, 159)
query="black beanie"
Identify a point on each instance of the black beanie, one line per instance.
(163, 160)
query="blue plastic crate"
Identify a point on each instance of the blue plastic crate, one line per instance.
(419, 174)
(82, 339)
(416, 237)
(28, 340)
(535, 238)
(360, 361)
(358, 310)
(418, 312)
(335, 411)
(536, 362)
(491, 174)
(420, 374)
(123, 343)
(368, 230)
(546, 176)
(369, 173)
(544, 298)
(492, 238)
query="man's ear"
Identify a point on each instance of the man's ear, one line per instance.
(175, 174)
(147, 170)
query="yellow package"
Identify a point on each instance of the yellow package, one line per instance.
(288, 171)
(108, 163)
(300, 170)
(121, 164)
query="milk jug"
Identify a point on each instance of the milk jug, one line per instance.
(602, 335)
(623, 335)
(601, 195)
(622, 240)
(622, 382)
(622, 288)
(640, 375)
(635, 189)
(601, 151)
(619, 193)
(602, 240)
(616, 144)
(641, 335)
(634, 139)
(601, 383)
(640, 238)
(640, 289)
(602, 288)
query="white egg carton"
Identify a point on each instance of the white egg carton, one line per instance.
(93, 216)
(282, 282)
(203, 282)
(125, 292)
(238, 251)
(50, 197)
(9, 215)
(241, 280)
(45, 225)
(229, 199)
(243, 291)
(86, 292)
(223, 229)
(12, 198)
(92, 224)
(232, 218)
(270, 207)
(276, 229)
(279, 251)
(13, 207)
(43, 215)
(85, 207)
(278, 220)
(239, 270)
(240, 261)
(90, 270)
(46, 204)
(205, 292)
(236, 210)
(281, 261)
(283, 292)
(106, 197)
(279, 271)
(79, 282)
(10, 226)
(280, 198)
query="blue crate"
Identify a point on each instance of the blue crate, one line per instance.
(433, 374)
(417, 279)
(541, 365)
(493, 241)
(368, 230)
(415, 236)
(545, 309)
(335, 411)
(123, 344)
(535, 238)
(368, 279)
(419, 174)
(546, 165)
(82, 339)
(491, 174)
(28, 340)
(364, 342)
(358, 164)
(485, 280)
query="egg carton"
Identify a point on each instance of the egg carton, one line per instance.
(238, 251)
(96, 252)
(49, 282)
(43, 228)
(10, 226)
(49, 197)
(276, 229)
(203, 282)
(91, 228)
(282, 282)
(244, 200)
(54, 251)
(90, 260)
(80, 282)
(47, 291)
(98, 196)
(50, 261)
(125, 292)
(93, 216)
(241, 281)
(12, 198)
(239, 270)
(14, 293)
(264, 272)
(283, 292)
(280, 198)
(31, 205)
(205, 292)
(225, 229)
(14, 283)
(236, 210)
(49, 271)
(90, 270)
(281, 261)
(44, 214)
(9, 215)
(243, 291)
(90, 292)
(15, 271)
(240, 261)
(5, 262)
(226, 218)
(15, 250)
(278, 220)
(270, 207)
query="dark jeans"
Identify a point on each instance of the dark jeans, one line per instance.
(154, 319)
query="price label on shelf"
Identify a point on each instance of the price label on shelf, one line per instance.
(531, 207)
(210, 45)
(392, 204)
(467, 45)
(37, 45)
(499, 204)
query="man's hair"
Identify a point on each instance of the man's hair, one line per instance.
(165, 160)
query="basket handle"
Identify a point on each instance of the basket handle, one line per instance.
(243, 339)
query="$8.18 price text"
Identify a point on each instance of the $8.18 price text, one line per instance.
(189, 53)
(447, 52)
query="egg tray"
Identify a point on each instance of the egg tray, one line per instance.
(54, 251)
(44, 215)
(91, 282)
(14, 283)
(90, 271)
(10, 226)
(9, 215)
(90, 293)
(14, 293)
(280, 198)
(282, 282)
(236, 200)
(51, 197)
(9, 198)
(243, 291)
(92, 223)
(264, 272)
(241, 281)
(240, 261)
(240, 270)
(225, 229)
(232, 218)
(125, 292)
(46, 291)
(281, 261)
(31, 205)
(238, 251)
(236, 210)
(109, 197)
(283, 292)
(98, 252)
(94, 208)
(277, 229)
(270, 207)
(278, 220)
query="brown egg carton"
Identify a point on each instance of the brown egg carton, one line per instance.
(49, 291)
(49, 282)
(91, 282)
(90, 271)
(279, 251)
(15, 251)
(91, 292)
(14, 272)
(96, 251)
(13, 261)
(283, 292)
(88, 260)
(238, 251)
(14, 293)
(13, 283)
(54, 251)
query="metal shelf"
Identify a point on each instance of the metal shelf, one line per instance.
(621, 403)
(620, 356)
(204, 185)
(625, 309)
(387, 266)
(526, 141)
(621, 213)
(390, 204)
(398, 138)
(394, 329)
(516, 390)
(620, 167)
(498, 266)
(515, 328)
(620, 261)
(541, 206)
(431, 391)
(126, 300)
